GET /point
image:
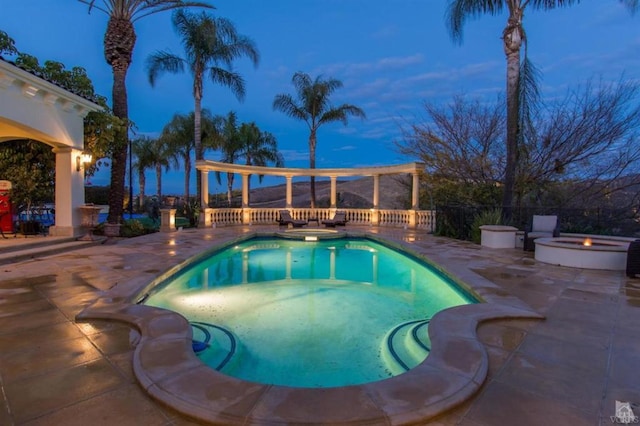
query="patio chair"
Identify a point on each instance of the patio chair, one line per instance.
(286, 220)
(338, 219)
(541, 227)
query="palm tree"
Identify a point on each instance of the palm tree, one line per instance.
(520, 79)
(229, 145)
(178, 134)
(211, 45)
(313, 107)
(150, 153)
(258, 148)
(141, 148)
(119, 42)
(246, 141)
(160, 158)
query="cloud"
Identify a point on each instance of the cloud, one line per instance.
(381, 64)
(294, 155)
(346, 130)
(345, 148)
(399, 62)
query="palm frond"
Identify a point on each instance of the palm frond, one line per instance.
(459, 10)
(163, 61)
(632, 5)
(529, 98)
(342, 114)
(230, 79)
(286, 104)
(139, 9)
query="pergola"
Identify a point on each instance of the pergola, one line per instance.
(206, 166)
(33, 108)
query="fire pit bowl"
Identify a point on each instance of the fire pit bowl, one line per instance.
(589, 252)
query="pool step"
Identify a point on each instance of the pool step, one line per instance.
(215, 346)
(406, 345)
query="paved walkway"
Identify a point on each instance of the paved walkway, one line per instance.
(568, 369)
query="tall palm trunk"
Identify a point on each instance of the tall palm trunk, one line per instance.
(187, 173)
(159, 181)
(197, 137)
(312, 165)
(229, 187)
(119, 41)
(143, 181)
(512, 41)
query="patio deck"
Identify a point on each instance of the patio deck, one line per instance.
(570, 368)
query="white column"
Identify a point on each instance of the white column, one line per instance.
(204, 196)
(205, 212)
(289, 192)
(245, 190)
(333, 192)
(415, 193)
(246, 210)
(375, 217)
(69, 193)
(376, 191)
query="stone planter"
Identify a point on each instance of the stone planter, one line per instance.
(89, 220)
(498, 236)
(112, 229)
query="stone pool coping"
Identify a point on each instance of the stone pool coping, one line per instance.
(167, 368)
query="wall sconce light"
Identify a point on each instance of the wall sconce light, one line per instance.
(84, 158)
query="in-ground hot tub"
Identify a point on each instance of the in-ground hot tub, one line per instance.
(589, 252)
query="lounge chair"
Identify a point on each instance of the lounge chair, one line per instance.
(338, 219)
(286, 220)
(541, 227)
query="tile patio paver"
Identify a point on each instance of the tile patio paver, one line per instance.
(570, 368)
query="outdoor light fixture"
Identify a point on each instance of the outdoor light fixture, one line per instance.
(84, 158)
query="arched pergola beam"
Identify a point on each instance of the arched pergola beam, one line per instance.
(414, 168)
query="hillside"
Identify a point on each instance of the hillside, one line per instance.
(356, 193)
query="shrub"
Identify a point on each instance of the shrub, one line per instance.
(137, 227)
(485, 217)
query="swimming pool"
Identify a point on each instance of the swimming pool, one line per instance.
(315, 314)
(165, 365)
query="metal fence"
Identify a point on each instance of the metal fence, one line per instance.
(457, 221)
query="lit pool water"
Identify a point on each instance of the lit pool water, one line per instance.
(309, 314)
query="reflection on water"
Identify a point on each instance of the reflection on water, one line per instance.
(308, 314)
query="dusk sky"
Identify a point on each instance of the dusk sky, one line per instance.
(391, 55)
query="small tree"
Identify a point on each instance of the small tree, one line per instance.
(587, 142)
(30, 167)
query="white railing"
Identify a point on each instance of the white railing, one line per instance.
(225, 216)
(426, 219)
(394, 217)
(423, 219)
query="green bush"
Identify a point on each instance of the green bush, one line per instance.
(486, 217)
(138, 227)
(182, 222)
